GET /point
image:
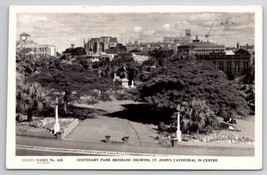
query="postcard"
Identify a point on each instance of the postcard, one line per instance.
(135, 87)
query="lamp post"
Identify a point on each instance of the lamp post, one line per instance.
(178, 131)
(56, 126)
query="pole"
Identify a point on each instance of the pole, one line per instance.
(56, 126)
(178, 132)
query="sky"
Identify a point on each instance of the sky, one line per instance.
(64, 29)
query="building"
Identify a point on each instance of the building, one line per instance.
(149, 46)
(99, 46)
(25, 42)
(168, 43)
(44, 50)
(230, 60)
(36, 49)
(180, 40)
(201, 47)
(250, 49)
(235, 64)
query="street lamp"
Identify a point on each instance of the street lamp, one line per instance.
(56, 126)
(178, 131)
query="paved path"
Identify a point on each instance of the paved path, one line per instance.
(95, 129)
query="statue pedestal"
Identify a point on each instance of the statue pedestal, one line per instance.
(124, 83)
(56, 127)
(179, 135)
(178, 131)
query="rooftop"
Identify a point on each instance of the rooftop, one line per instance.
(24, 34)
(26, 42)
(204, 44)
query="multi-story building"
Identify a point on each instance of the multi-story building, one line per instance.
(98, 46)
(201, 47)
(179, 40)
(250, 49)
(149, 46)
(236, 63)
(35, 48)
(230, 60)
(168, 43)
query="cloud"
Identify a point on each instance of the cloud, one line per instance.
(62, 29)
(202, 17)
(149, 32)
(27, 18)
(137, 29)
(166, 27)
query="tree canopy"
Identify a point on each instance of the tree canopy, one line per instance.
(183, 80)
(73, 78)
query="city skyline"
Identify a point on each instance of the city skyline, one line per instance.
(63, 29)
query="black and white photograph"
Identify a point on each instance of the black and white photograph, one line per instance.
(135, 87)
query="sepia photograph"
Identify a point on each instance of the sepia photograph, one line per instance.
(135, 88)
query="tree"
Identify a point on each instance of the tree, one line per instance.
(159, 55)
(29, 98)
(197, 117)
(74, 78)
(183, 80)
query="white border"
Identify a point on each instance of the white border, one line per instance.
(245, 163)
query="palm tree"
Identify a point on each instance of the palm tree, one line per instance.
(197, 116)
(30, 97)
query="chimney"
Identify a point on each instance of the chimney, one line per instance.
(237, 45)
(72, 46)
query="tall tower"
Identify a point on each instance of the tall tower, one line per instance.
(188, 32)
(24, 37)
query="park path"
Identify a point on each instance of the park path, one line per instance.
(95, 129)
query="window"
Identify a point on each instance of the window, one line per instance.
(221, 65)
(245, 65)
(229, 65)
(237, 67)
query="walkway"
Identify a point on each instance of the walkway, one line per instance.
(95, 129)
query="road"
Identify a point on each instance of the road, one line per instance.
(51, 147)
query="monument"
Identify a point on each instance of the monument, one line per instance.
(56, 126)
(124, 83)
(178, 131)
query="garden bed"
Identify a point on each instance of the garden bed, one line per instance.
(219, 136)
(222, 136)
(44, 127)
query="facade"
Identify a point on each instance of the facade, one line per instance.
(201, 48)
(235, 64)
(168, 43)
(149, 46)
(180, 40)
(98, 46)
(35, 48)
(44, 50)
(251, 50)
